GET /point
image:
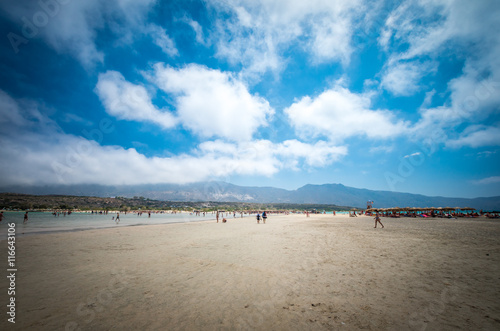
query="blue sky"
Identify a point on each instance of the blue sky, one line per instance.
(384, 95)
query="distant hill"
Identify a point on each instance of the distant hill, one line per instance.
(337, 194)
(344, 195)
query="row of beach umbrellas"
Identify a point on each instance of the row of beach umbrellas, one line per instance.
(417, 209)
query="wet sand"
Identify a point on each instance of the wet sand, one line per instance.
(294, 273)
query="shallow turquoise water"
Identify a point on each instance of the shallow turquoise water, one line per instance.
(44, 222)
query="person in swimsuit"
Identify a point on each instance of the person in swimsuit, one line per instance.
(264, 217)
(377, 219)
(258, 218)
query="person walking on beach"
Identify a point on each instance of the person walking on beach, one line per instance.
(217, 216)
(377, 219)
(25, 217)
(258, 218)
(264, 217)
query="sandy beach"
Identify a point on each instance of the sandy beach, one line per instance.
(294, 273)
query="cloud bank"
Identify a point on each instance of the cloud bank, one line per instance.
(36, 151)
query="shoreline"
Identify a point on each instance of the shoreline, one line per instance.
(99, 228)
(126, 221)
(480, 218)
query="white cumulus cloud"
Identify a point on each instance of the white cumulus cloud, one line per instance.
(128, 101)
(403, 79)
(73, 26)
(259, 31)
(339, 114)
(477, 136)
(162, 40)
(428, 30)
(35, 150)
(212, 103)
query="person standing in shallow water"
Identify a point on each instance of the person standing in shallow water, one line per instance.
(377, 219)
(25, 217)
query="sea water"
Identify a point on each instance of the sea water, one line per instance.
(46, 222)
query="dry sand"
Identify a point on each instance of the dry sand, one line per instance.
(294, 273)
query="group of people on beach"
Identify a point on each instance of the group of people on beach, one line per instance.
(24, 221)
(260, 217)
(264, 217)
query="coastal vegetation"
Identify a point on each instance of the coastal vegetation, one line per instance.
(14, 201)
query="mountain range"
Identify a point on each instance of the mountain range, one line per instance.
(337, 194)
